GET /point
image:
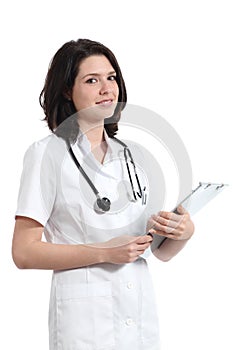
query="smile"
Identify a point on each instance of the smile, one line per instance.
(105, 102)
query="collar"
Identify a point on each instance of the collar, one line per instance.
(84, 144)
(108, 141)
(83, 147)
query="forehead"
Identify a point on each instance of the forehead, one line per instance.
(95, 64)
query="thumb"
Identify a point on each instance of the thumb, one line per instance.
(181, 210)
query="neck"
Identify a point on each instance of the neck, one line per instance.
(94, 133)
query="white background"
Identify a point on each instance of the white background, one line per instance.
(176, 57)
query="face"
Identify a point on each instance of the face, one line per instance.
(95, 85)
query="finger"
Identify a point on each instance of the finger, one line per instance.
(142, 250)
(139, 245)
(164, 228)
(173, 235)
(181, 210)
(165, 222)
(165, 225)
(150, 234)
(143, 247)
(144, 239)
(169, 215)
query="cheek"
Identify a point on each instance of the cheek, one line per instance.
(117, 90)
(82, 99)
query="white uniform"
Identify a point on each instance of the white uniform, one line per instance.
(104, 306)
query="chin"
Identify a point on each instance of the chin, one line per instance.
(98, 112)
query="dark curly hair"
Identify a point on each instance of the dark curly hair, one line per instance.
(60, 79)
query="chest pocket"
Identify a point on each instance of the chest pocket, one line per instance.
(85, 316)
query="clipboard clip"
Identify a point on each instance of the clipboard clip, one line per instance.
(208, 185)
(220, 186)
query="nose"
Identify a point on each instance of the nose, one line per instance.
(106, 87)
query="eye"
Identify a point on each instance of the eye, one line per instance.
(91, 81)
(112, 77)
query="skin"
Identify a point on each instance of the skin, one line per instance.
(94, 83)
(177, 228)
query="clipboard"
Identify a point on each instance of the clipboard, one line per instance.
(194, 202)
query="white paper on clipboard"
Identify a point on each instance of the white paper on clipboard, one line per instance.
(195, 201)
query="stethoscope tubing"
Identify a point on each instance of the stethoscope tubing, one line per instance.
(94, 189)
(82, 171)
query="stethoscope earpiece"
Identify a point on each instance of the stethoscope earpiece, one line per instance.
(102, 205)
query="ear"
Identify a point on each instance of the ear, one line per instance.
(68, 95)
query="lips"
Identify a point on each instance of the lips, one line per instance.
(105, 102)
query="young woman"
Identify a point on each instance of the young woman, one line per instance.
(102, 295)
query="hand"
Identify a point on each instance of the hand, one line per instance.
(171, 225)
(124, 249)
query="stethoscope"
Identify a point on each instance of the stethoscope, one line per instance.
(102, 205)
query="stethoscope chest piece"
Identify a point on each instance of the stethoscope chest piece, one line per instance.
(102, 205)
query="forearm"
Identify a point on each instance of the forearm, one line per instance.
(49, 256)
(30, 252)
(169, 249)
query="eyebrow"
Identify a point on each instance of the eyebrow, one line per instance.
(97, 74)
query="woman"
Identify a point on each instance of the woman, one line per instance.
(102, 295)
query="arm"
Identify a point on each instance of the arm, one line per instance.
(30, 252)
(177, 228)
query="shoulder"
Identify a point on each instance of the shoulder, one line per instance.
(40, 145)
(43, 147)
(44, 157)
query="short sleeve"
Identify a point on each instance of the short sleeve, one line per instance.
(38, 184)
